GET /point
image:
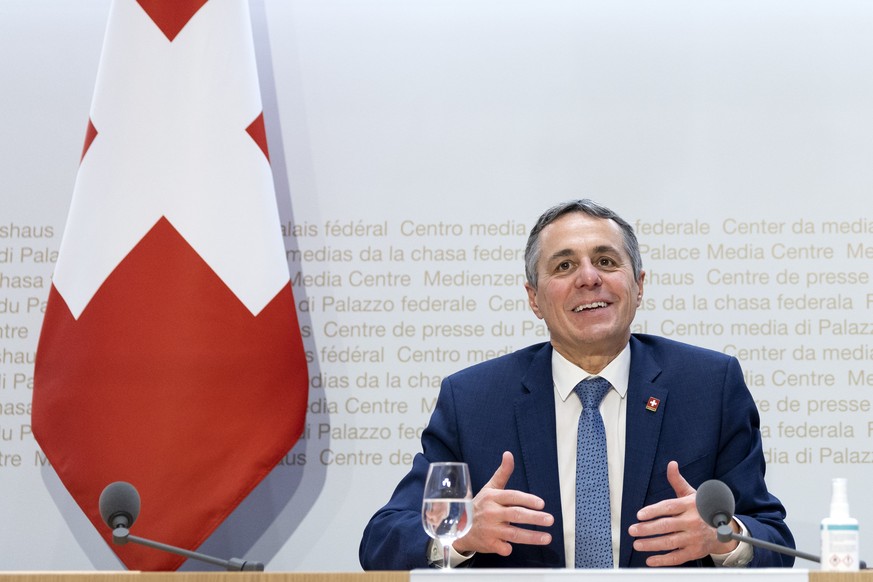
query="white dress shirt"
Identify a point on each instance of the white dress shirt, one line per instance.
(568, 409)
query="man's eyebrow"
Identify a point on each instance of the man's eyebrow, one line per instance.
(606, 249)
(561, 254)
(570, 252)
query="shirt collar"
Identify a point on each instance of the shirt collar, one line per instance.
(567, 374)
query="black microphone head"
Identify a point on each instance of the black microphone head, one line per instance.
(119, 504)
(715, 502)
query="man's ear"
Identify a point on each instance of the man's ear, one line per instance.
(640, 282)
(532, 299)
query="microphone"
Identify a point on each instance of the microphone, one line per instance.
(119, 507)
(715, 504)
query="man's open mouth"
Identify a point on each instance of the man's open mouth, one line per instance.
(589, 306)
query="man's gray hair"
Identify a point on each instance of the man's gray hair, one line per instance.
(532, 250)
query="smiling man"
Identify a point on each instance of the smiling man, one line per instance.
(586, 451)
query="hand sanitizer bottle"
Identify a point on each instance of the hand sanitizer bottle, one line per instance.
(839, 533)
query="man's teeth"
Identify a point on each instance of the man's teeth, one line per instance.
(590, 306)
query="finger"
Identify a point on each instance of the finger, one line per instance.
(499, 539)
(523, 516)
(669, 560)
(676, 549)
(501, 476)
(665, 543)
(657, 527)
(677, 481)
(666, 508)
(510, 498)
(520, 535)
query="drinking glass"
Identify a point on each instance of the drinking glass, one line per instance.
(447, 509)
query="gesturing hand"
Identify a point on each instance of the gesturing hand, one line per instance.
(678, 528)
(497, 512)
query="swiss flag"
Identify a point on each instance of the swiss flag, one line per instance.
(170, 356)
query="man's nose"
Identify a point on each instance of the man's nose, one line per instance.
(588, 275)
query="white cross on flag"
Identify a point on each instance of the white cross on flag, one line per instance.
(170, 356)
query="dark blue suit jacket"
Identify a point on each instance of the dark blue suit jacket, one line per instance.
(707, 421)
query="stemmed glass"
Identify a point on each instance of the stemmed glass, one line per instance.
(447, 509)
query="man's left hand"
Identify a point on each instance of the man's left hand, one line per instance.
(677, 527)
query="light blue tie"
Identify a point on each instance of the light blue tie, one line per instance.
(593, 526)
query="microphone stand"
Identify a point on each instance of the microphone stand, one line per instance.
(121, 536)
(725, 533)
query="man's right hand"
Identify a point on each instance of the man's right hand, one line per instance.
(497, 513)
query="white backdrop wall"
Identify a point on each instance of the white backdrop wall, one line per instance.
(413, 145)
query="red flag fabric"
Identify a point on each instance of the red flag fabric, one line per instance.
(170, 356)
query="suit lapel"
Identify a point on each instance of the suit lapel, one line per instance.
(641, 442)
(535, 421)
